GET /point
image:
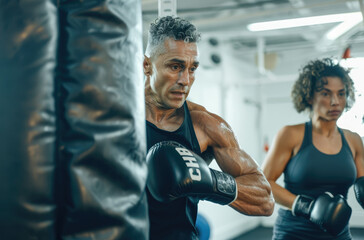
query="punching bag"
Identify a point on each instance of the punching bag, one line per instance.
(28, 39)
(101, 120)
(72, 123)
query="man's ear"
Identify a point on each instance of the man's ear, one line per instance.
(147, 66)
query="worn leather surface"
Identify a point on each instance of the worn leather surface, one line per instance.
(28, 44)
(102, 130)
(72, 120)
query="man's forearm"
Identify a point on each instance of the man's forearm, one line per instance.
(254, 196)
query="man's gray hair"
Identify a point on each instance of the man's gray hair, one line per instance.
(170, 27)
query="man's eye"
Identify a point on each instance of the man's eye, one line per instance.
(176, 67)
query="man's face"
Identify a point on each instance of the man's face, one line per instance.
(173, 73)
(329, 103)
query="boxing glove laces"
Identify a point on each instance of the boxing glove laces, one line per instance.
(328, 212)
(175, 171)
(359, 191)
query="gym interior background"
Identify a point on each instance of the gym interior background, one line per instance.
(246, 76)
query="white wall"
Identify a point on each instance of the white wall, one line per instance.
(256, 107)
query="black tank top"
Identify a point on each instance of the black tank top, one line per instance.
(174, 220)
(312, 172)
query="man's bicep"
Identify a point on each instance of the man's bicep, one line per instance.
(227, 152)
(235, 161)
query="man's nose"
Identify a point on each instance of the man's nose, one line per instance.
(184, 78)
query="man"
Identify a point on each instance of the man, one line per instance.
(171, 60)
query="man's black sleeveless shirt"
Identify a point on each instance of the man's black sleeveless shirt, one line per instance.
(174, 220)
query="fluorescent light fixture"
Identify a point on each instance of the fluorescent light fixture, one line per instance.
(343, 27)
(300, 22)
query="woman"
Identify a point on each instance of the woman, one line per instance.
(319, 160)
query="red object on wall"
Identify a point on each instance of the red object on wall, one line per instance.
(346, 53)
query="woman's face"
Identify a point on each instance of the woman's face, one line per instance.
(329, 103)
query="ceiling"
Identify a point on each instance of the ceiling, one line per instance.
(228, 20)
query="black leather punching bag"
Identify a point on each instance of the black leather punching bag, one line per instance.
(28, 39)
(101, 120)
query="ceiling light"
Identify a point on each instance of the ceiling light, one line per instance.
(305, 21)
(343, 27)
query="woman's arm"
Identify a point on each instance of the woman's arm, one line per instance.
(286, 143)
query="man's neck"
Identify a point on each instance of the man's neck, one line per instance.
(166, 119)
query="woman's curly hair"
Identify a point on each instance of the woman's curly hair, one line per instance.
(312, 78)
(171, 27)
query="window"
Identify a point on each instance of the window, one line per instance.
(354, 118)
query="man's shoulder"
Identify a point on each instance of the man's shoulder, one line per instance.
(195, 107)
(208, 122)
(211, 129)
(199, 113)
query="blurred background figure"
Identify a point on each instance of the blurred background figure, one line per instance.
(319, 160)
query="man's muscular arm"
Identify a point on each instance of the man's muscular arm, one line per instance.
(254, 191)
